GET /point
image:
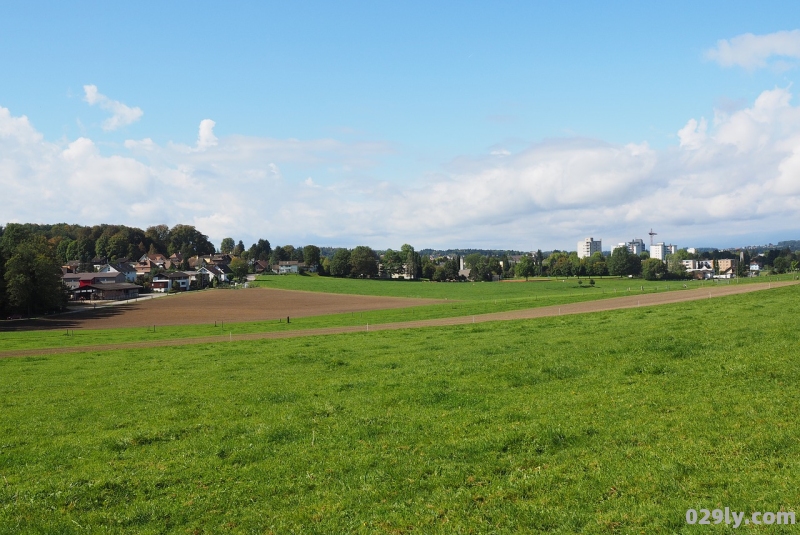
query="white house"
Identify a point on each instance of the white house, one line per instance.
(288, 266)
(125, 269)
(164, 282)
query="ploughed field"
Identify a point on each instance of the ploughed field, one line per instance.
(229, 306)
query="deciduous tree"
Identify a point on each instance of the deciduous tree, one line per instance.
(653, 269)
(227, 246)
(340, 263)
(311, 255)
(33, 278)
(525, 267)
(239, 268)
(363, 262)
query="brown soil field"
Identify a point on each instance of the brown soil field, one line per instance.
(615, 303)
(208, 306)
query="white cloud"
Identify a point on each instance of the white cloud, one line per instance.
(205, 136)
(693, 135)
(753, 51)
(728, 176)
(121, 115)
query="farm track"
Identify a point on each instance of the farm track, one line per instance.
(614, 303)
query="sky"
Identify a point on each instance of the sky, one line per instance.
(502, 125)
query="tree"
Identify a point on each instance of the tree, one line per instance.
(239, 268)
(311, 255)
(62, 249)
(288, 251)
(119, 245)
(451, 268)
(340, 263)
(479, 271)
(363, 262)
(525, 267)
(428, 268)
(653, 269)
(33, 277)
(413, 261)
(281, 254)
(392, 262)
(187, 240)
(14, 235)
(227, 246)
(158, 236)
(472, 259)
(622, 262)
(262, 250)
(493, 264)
(239, 249)
(101, 246)
(675, 265)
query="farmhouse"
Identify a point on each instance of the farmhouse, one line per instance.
(105, 285)
(113, 291)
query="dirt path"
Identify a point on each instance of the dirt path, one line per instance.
(615, 303)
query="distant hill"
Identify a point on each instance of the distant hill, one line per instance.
(794, 245)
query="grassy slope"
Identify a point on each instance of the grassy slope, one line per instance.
(469, 299)
(597, 423)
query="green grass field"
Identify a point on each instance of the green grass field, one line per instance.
(467, 299)
(542, 288)
(613, 422)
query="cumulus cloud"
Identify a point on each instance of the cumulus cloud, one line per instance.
(206, 137)
(724, 178)
(121, 115)
(754, 51)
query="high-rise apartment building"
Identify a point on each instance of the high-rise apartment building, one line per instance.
(589, 246)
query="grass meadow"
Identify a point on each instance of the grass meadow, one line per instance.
(613, 422)
(545, 288)
(466, 299)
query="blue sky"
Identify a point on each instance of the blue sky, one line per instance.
(502, 125)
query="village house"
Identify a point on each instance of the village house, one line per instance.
(125, 269)
(285, 267)
(261, 266)
(173, 281)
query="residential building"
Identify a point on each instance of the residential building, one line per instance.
(660, 250)
(125, 269)
(727, 266)
(165, 282)
(588, 247)
(287, 266)
(635, 246)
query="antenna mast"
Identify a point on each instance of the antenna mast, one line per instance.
(651, 237)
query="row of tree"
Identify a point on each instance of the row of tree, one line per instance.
(364, 262)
